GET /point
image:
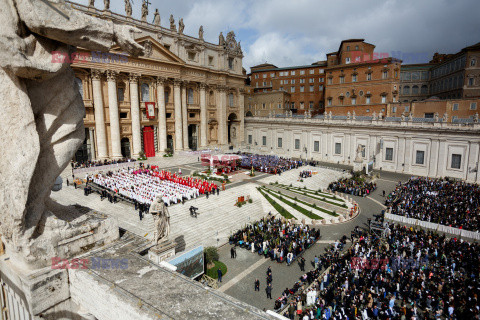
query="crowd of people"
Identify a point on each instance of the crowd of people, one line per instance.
(450, 203)
(305, 174)
(268, 163)
(353, 186)
(144, 184)
(410, 274)
(276, 239)
(98, 163)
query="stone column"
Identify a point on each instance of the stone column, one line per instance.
(92, 143)
(114, 117)
(99, 115)
(203, 116)
(135, 111)
(221, 115)
(162, 120)
(185, 115)
(241, 106)
(178, 115)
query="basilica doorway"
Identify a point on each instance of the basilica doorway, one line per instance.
(83, 153)
(149, 141)
(192, 137)
(125, 147)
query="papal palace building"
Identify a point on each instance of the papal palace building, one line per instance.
(357, 79)
(182, 94)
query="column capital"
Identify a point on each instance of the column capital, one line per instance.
(111, 75)
(161, 80)
(241, 90)
(133, 77)
(222, 88)
(185, 83)
(202, 85)
(96, 74)
(177, 82)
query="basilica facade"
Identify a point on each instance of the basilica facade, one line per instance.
(183, 93)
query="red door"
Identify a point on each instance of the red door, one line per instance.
(148, 142)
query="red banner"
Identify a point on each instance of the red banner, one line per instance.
(150, 107)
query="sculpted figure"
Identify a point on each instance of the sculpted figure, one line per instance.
(359, 156)
(91, 3)
(128, 8)
(200, 33)
(144, 10)
(181, 26)
(156, 18)
(161, 218)
(172, 23)
(106, 3)
(42, 116)
(221, 39)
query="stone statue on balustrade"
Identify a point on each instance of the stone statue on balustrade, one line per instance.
(445, 117)
(200, 33)
(181, 26)
(128, 8)
(91, 3)
(172, 23)
(436, 117)
(475, 118)
(144, 10)
(41, 99)
(221, 39)
(106, 4)
(410, 117)
(349, 116)
(161, 219)
(156, 18)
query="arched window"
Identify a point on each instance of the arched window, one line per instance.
(415, 90)
(190, 95)
(424, 89)
(406, 90)
(79, 83)
(230, 99)
(145, 92)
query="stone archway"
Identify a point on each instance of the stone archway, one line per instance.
(233, 124)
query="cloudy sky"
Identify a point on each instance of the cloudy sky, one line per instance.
(300, 32)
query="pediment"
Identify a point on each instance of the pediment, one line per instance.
(154, 50)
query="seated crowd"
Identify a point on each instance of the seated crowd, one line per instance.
(455, 204)
(353, 187)
(143, 185)
(276, 239)
(268, 163)
(412, 274)
(98, 163)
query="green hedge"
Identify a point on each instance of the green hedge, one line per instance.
(309, 214)
(277, 207)
(332, 213)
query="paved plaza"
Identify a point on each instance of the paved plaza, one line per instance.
(219, 217)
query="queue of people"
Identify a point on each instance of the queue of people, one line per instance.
(99, 163)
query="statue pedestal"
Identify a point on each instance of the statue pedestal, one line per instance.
(357, 166)
(45, 289)
(165, 249)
